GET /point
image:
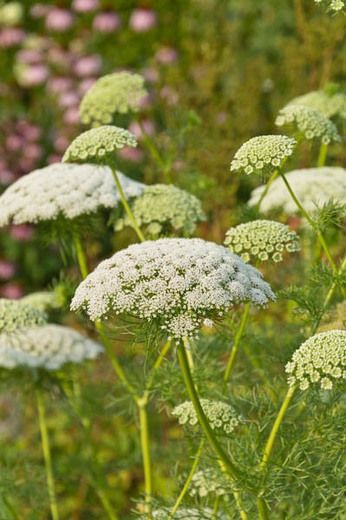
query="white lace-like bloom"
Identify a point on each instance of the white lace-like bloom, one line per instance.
(165, 209)
(320, 359)
(329, 104)
(208, 482)
(67, 190)
(49, 347)
(262, 240)
(313, 187)
(221, 416)
(42, 300)
(15, 314)
(333, 5)
(98, 144)
(176, 283)
(186, 514)
(263, 154)
(120, 92)
(308, 123)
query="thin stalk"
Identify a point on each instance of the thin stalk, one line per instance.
(81, 256)
(262, 509)
(127, 206)
(237, 338)
(321, 161)
(188, 480)
(216, 507)
(47, 453)
(146, 455)
(154, 152)
(266, 189)
(311, 222)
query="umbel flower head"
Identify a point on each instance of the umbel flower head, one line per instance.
(66, 190)
(222, 417)
(98, 144)
(328, 103)
(15, 314)
(263, 154)
(48, 347)
(307, 123)
(117, 93)
(42, 300)
(313, 187)
(321, 359)
(262, 240)
(174, 283)
(184, 513)
(165, 209)
(207, 482)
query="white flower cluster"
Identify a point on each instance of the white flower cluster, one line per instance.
(42, 300)
(15, 314)
(221, 416)
(207, 482)
(67, 190)
(313, 187)
(175, 282)
(320, 359)
(308, 123)
(164, 209)
(263, 154)
(333, 5)
(120, 92)
(97, 144)
(49, 347)
(329, 104)
(186, 514)
(262, 240)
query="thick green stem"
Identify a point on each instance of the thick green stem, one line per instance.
(237, 338)
(81, 256)
(310, 221)
(266, 189)
(47, 454)
(322, 155)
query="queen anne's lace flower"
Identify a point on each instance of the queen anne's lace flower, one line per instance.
(164, 209)
(329, 104)
(176, 283)
(263, 154)
(67, 190)
(262, 240)
(186, 514)
(333, 5)
(313, 187)
(221, 416)
(308, 123)
(49, 347)
(208, 482)
(120, 92)
(15, 314)
(98, 144)
(320, 359)
(42, 300)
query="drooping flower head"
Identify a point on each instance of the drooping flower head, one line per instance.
(262, 240)
(98, 144)
(307, 123)
(15, 314)
(313, 187)
(48, 347)
(207, 482)
(117, 93)
(67, 190)
(263, 155)
(165, 209)
(222, 417)
(174, 283)
(321, 359)
(328, 103)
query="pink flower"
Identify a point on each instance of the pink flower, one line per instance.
(58, 85)
(11, 36)
(84, 6)
(28, 56)
(12, 291)
(146, 124)
(71, 116)
(68, 99)
(7, 270)
(88, 66)
(39, 10)
(61, 143)
(166, 55)
(85, 84)
(169, 94)
(22, 233)
(32, 151)
(53, 158)
(59, 20)
(6, 176)
(131, 154)
(150, 74)
(106, 22)
(29, 131)
(13, 143)
(33, 75)
(142, 20)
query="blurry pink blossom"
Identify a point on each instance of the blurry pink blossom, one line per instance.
(59, 84)
(166, 55)
(6, 176)
(106, 22)
(39, 10)
(32, 151)
(53, 158)
(68, 99)
(28, 130)
(12, 291)
(131, 154)
(61, 143)
(169, 94)
(59, 20)
(85, 84)
(146, 124)
(33, 75)
(150, 74)
(13, 143)
(71, 116)
(7, 269)
(11, 36)
(84, 6)
(88, 66)
(22, 233)
(28, 56)
(142, 20)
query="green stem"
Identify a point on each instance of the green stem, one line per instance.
(47, 453)
(262, 508)
(266, 189)
(237, 338)
(186, 486)
(146, 456)
(127, 206)
(322, 155)
(310, 221)
(81, 256)
(154, 152)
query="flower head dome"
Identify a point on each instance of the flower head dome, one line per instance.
(67, 190)
(262, 240)
(175, 283)
(98, 144)
(328, 103)
(263, 154)
(117, 93)
(49, 347)
(313, 187)
(15, 314)
(221, 416)
(321, 359)
(165, 209)
(207, 482)
(307, 123)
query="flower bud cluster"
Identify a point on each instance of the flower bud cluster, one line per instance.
(207, 482)
(15, 314)
(221, 416)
